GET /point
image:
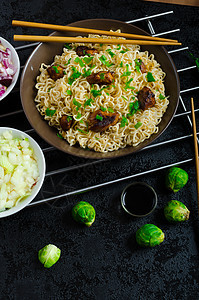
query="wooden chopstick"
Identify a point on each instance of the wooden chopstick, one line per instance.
(88, 30)
(196, 149)
(62, 39)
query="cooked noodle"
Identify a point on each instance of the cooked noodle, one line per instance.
(58, 96)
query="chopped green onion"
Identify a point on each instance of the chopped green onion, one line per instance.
(88, 102)
(56, 70)
(50, 112)
(127, 73)
(124, 98)
(79, 115)
(138, 125)
(79, 61)
(124, 121)
(121, 64)
(87, 60)
(150, 77)
(95, 93)
(60, 136)
(68, 62)
(86, 73)
(69, 118)
(68, 46)
(161, 97)
(68, 92)
(99, 117)
(133, 108)
(110, 52)
(127, 84)
(76, 74)
(103, 108)
(49, 89)
(124, 51)
(118, 47)
(102, 75)
(110, 109)
(82, 131)
(103, 59)
(76, 103)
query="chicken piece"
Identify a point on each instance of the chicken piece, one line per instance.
(100, 120)
(146, 98)
(55, 72)
(66, 122)
(102, 77)
(84, 50)
(142, 66)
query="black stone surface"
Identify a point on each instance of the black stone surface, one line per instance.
(103, 262)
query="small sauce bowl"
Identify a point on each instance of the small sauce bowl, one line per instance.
(139, 199)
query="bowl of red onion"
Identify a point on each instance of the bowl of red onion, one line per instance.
(9, 68)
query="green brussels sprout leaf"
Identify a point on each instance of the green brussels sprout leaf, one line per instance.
(49, 255)
(149, 235)
(83, 212)
(175, 211)
(176, 179)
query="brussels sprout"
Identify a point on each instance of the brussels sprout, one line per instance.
(49, 255)
(176, 178)
(83, 212)
(149, 235)
(176, 211)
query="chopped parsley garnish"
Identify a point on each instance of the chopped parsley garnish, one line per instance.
(87, 60)
(161, 97)
(99, 117)
(110, 109)
(124, 121)
(124, 51)
(68, 46)
(56, 69)
(88, 102)
(133, 108)
(103, 108)
(138, 64)
(103, 59)
(50, 112)
(76, 74)
(82, 131)
(68, 92)
(138, 125)
(79, 61)
(110, 52)
(118, 47)
(76, 103)
(127, 73)
(150, 77)
(60, 136)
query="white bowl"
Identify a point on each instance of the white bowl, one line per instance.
(42, 169)
(16, 63)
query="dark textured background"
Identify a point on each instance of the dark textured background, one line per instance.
(103, 262)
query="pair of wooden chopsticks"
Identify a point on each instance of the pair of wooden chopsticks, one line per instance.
(134, 38)
(196, 149)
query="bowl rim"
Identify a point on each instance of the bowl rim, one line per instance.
(16, 75)
(111, 154)
(139, 183)
(27, 200)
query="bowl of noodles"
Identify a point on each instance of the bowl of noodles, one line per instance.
(112, 100)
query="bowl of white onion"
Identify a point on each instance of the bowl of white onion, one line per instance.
(9, 68)
(22, 170)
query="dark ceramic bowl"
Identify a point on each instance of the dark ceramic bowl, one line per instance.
(45, 53)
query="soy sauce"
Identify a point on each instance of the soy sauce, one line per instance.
(139, 199)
